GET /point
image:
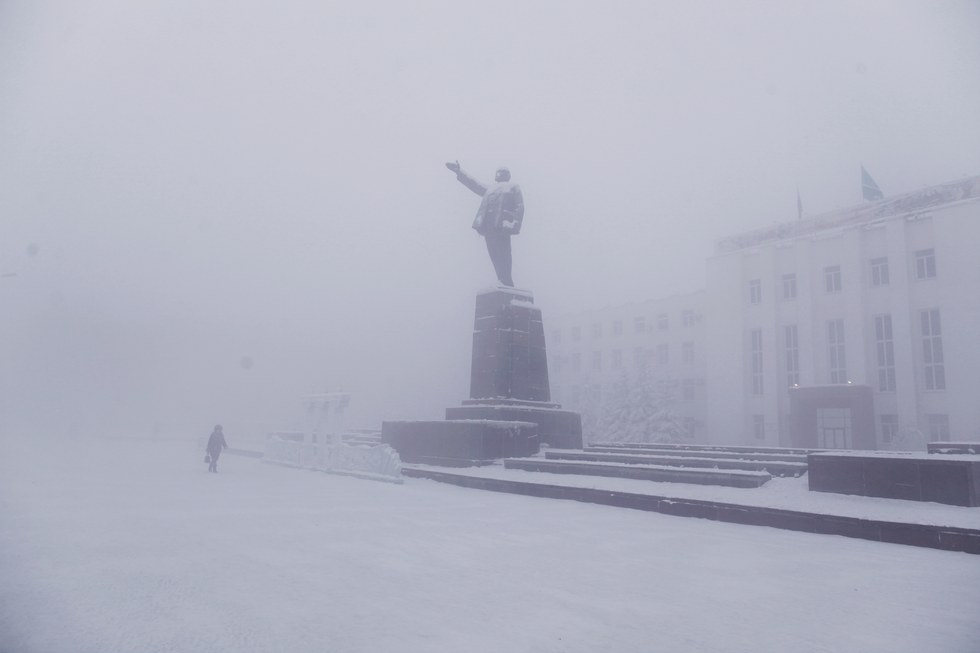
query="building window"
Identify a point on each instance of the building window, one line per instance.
(835, 345)
(687, 318)
(597, 330)
(689, 389)
(617, 358)
(639, 324)
(885, 353)
(789, 286)
(597, 360)
(663, 322)
(618, 328)
(925, 264)
(556, 336)
(792, 338)
(687, 352)
(576, 333)
(576, 361)
(831, 277)
(663, 354)
(756, 352)
(637, 356)
(759, 427)
(557, 363)
(755, 291)
(889, 428)
(938, 428)
(932, 350)
(879, 271)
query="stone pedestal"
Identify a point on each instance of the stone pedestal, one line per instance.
(509, 374)
(509, 412)
(509, 358)
(460, 443)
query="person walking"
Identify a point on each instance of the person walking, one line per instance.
(215, 444)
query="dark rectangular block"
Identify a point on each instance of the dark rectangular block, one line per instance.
(503, 364)
(776, 468)
(960, 540)
(848, 527)
(639, 472)
(557, 428)
(896, 479)
(909, 534)
(950, 479)
(943, 483)
(460, 442)
(681, 508)
(830, 475)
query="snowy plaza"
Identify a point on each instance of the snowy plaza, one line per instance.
(122, 545)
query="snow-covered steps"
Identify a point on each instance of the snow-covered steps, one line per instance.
(731, 455)
(948, 538)
(774, 467)
(674, 446)
(729, 478)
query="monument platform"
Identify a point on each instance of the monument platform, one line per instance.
(460, 443)
(509, 373)
(508, 386)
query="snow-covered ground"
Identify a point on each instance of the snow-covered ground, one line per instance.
(119, 546)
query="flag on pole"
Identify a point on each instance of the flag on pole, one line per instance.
(869, 189)
(799, 204)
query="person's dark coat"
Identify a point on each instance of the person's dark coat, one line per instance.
(215, 444)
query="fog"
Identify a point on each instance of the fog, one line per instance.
(210, 209)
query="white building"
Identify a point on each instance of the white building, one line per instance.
(883, 297)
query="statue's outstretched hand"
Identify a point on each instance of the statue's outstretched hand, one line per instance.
(453, 165)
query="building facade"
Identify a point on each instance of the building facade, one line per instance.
(883, 296)
(865, 318)
(590, 351)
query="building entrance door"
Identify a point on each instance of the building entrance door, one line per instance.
(834, 428)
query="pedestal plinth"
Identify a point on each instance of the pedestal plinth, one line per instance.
(460, 443)
(509, 374)
(509, 412)
(509, 357)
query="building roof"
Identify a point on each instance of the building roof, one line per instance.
(909, 203)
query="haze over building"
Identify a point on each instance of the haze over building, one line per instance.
(878, 298)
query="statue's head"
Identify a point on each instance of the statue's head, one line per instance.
(503, 174)
(217, 428)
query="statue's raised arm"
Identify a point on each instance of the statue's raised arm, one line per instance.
(466, 180)
(500, 215)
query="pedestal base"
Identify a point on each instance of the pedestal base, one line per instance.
(556, 428)
(460, 443)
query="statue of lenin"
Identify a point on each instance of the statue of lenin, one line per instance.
(499, 217)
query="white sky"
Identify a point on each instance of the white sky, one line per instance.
(188, 183)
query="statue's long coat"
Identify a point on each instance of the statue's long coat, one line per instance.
(502, 201)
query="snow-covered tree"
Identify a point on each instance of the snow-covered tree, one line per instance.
(591, 412)
(615, 412)
(640, 409)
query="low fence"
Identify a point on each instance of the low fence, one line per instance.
(380, 462)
